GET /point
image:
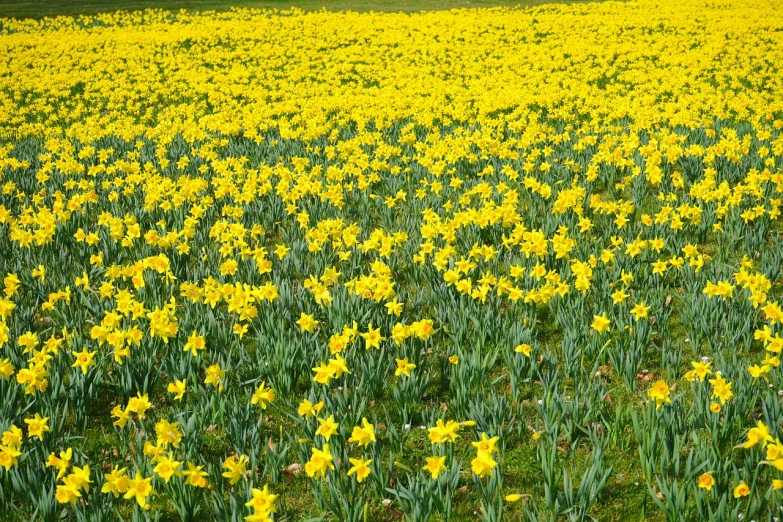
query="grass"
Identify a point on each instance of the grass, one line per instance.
(44, 8)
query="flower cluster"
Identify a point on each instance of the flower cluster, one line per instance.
(284, 265)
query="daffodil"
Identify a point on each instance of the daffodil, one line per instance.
(660, 393)
(706, 481)
(116, 482)
(84, 360)
(404, 367)
(327, 427)
(435, 465)
(37, 426)
(363, 435)
(320, 461)
(600, 323)
(140, 488)
(263, 396)
(177, 388)
(359, 467)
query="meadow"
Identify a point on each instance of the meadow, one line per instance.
(498, 263)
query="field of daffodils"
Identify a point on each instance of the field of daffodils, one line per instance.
(479, 264)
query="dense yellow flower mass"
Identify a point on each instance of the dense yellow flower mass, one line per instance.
(410, 255)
